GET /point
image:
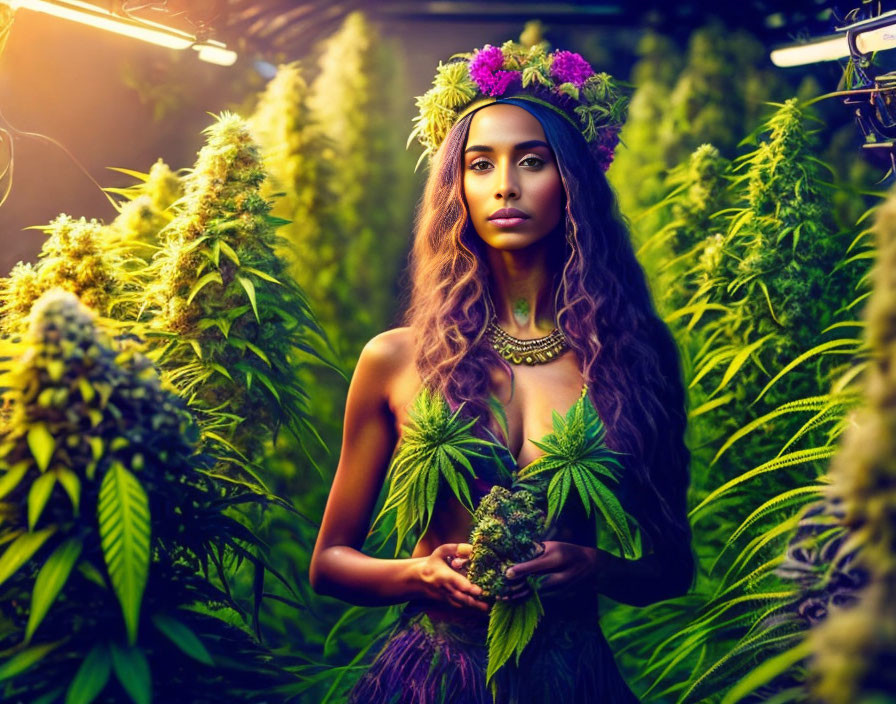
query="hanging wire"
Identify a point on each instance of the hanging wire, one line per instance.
(8, 132)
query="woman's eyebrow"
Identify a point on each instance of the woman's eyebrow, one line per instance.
(522, 145)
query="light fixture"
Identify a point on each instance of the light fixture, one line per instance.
(169, 37)
(215, 53)
(836, 46)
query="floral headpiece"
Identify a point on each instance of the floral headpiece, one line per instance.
(561, 80)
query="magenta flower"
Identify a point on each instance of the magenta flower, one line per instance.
(486, 71)
(569, 67)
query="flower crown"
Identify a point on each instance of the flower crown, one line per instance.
(561, 80)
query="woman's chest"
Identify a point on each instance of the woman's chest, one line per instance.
(528, 402)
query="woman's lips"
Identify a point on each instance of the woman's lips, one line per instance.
(507, 222)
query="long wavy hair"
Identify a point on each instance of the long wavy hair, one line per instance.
(602, 304)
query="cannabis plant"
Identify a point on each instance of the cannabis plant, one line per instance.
(292, 146)
(853, 649)
(232, 326)
(117, 543)
(713, 93)
(146, 210)
(437, 448)
(75, 257)
(761, 297)
(357, 98)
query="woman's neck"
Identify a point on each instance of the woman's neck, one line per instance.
(522, 291)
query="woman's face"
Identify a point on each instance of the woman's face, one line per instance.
(508, 164)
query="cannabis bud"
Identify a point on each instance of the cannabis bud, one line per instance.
(506, 527)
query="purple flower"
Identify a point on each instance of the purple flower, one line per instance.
(604, 145)
(486, 72)
(569, 67)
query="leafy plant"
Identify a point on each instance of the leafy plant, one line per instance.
(117, 540)
(232, 327)
(852, 647)
(575, 454)
(76, 256)
(356, 98)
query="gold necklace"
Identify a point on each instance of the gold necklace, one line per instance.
(518, 351)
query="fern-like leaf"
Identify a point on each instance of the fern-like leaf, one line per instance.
(510, 628)
(123, 512)
(436, 444)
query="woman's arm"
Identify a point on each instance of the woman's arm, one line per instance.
(568, 568)
(338, 567)
(663, 574)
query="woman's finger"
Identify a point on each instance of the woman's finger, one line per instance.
(463, 599)
(464, 585)
(446, 549)
(464, 550)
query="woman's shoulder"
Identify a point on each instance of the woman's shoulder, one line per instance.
(388, 357)
(388, 352)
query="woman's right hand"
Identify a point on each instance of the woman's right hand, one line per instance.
(442, 582)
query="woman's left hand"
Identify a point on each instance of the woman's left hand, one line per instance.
(561, 567)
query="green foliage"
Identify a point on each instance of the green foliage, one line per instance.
(755, 301)
(575, 454)
(75, 257)
(145, 212)
(712, 93)
(851, 648)
(232, 325)
(357, 101)
(510, 628)
(131, 526)
(436, 445)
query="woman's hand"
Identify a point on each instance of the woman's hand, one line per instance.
(442, 582)
(561, 568)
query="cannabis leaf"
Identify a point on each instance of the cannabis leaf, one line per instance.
(576, 455)
(510, 628)
(435, 445)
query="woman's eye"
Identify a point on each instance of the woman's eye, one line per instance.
(534, 161)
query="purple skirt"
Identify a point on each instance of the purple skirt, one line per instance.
(424, 661)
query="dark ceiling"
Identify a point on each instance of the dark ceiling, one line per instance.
(287, 25)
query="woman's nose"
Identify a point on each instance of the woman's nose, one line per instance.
(508, 184)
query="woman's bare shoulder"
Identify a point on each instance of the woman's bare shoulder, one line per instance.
(389, 343)
(386, 357)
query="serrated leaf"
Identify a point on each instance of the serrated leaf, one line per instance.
(510, 628)
(123, 512)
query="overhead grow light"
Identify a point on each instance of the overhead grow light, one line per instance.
(86, 13)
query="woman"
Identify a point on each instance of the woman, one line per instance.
(519, 246)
